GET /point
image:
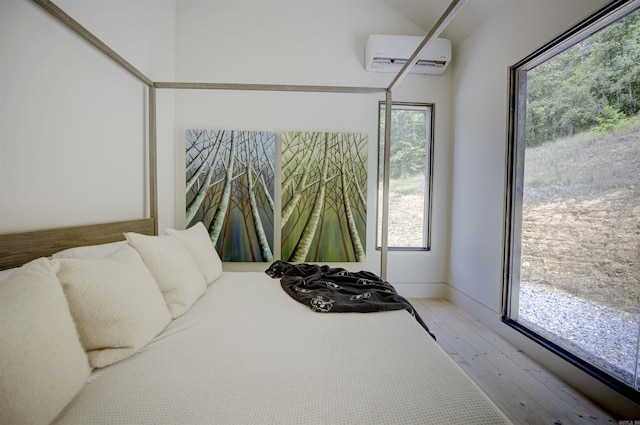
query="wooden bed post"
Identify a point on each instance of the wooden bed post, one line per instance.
(153, 160)
(384, 244)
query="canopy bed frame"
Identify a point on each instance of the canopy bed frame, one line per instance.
(152, 330)
(19, 248)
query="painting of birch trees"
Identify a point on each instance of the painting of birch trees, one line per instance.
(324, 196)
(230, 188)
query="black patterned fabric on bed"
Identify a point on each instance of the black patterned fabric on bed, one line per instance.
(335, 290)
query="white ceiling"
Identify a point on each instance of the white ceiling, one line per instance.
(425, 13)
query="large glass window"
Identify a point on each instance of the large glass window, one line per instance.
(410, 174)
(573, 213)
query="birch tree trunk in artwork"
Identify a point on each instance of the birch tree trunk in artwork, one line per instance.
(288, 180)
(267, 193)
(304, 243)
(195, 205)
(287, 210)
(223, 205)
(197, 174)
(300, 187)
(351, 223)
(270, 171)
(363, 199)
(194, 136)
(257, 221)
(210, 160)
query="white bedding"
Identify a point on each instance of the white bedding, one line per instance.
(246, 353)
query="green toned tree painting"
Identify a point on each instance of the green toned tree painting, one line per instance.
(230, 188)
(324, 196)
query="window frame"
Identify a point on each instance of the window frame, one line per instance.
(429, 108)
(514, 184)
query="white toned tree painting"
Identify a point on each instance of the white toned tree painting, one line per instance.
(324, 196)
(230, 188)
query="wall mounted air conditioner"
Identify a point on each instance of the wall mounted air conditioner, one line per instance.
(389, 53)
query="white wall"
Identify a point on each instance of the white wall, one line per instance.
(307, 43)
(72, 123)
(478, 172)
(71, 126)
(143, 33)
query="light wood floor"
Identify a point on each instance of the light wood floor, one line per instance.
(524, 391)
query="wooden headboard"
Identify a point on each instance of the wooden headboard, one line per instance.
(19, 248)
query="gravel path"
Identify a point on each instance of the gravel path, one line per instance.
(602, 335)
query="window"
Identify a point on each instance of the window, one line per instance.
(572, 249)
(410, 177)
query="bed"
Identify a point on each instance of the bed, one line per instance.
(84, 344)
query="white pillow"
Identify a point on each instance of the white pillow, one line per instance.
(115, 303)
(175, 271)
(90, 251)
(7, 272)
(197, 240)
(42, 363)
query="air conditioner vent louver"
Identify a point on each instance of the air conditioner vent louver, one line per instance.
(389, 53)
(435, 64)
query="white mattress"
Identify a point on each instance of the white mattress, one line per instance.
(246, 353)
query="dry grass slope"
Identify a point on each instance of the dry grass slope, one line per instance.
(581, 218)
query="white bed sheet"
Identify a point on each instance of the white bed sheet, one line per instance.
(246, 353)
